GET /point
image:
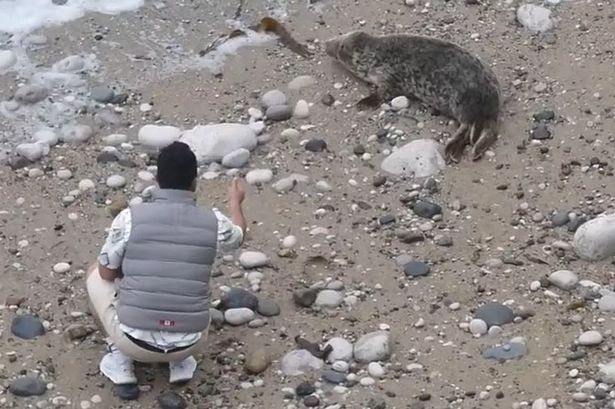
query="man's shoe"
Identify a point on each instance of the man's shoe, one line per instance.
(182, 371)
(118, 368)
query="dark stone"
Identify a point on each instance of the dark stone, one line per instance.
(560, 218)
(513, 350)
(416, 269)
(18, 162)
(239, 298)
(443, 241)
(495, 314)
(333, 377)
(171, 400)
(426, 209)
(305, 389)
(127, 163)
(127, 391)
(546, 115)
(279, 112)
(359, 150)
(387, 219)
(27, 327)
(28, 386)
(379, 180)
(376, 403)
(431, 185)
(305, 298)
(102, 94)
(409, 237)
(382, 133)
(217, 318)
(541, 132)
(577, 222)
(328, 100)
(423, 397)
(311, 401)
(107, 157)
(268, 308)
(59, 2)
(316, 145)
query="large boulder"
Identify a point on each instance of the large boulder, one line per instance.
(211, 143)
(420, 158)
(595, 240)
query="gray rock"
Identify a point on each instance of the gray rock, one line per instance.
(333, 377)
(211, 143)
(495, 314)
(607, 303)
(536, 19)
(305, 298)
(279, 113)
(28, 386)
(116, 181)
(268, 308)
(259, 176)
(31, 94)
(59, 2)
(595, 240)
(375, 346)
(253, 259)
(27, 327)
(416, 269)
(76, 133)
(541, 132)
(607, 373)
(302, 81)
(127, 391)
(316, 145)
(590, 338)
(217, 317)
(425, 209)
(512, 350)
(564, 280)
(257, 361)
(72, 64)
(236, 159)
(287, 184)
(273, 98)
(419, 158)
(342, 350)
(560, 218)
(32, 151)
(171, 400)
(328, 299)
(238, 316)
(7, 59)
(102, 94)
(300, 361)
(239, 298)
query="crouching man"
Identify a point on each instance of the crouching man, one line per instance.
(150, 288)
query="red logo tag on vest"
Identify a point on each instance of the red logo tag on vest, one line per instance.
(167, 323)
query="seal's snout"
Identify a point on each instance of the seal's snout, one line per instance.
(331, 47)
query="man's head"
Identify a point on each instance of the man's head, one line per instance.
(177, 167)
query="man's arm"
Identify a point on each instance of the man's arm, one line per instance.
(108, 274)
(112, 252)
(237, 194)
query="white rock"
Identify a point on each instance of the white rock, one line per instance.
(7, 59)
(607, 373)
(375, 370)
(115, 139)
(342, 350)
(255, 113)
(253, 259)
(272, 98)
(607, 303)
(31, 94)
(236, 159)
(71, 64)
(288, 183)
(61, 268)
(302, 109)
(303, 81)
(259, 176)
(76, 133)
(211, 143)
(588, 386)
(289, 242)
(535, 18)
(590, 338)
(564, 280)
(86, 184)
(322, 186)
(399, 103)
(158, 136)
(258, 127)
(116, 181)
(375, 346)
(367, 381)
(238, 316)
(290, 133)
(535, 285)
(64, 174)
(328, 299)
(478, 327)
(32, 151)
(46, 136)
(540, 404)
(300, 361)
(420, 158)
(595, 240)
(341, 366)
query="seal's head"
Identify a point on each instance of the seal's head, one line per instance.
(347, 47)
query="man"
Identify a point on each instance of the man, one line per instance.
(161, 252)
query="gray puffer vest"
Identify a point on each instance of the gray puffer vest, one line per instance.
(167, 264)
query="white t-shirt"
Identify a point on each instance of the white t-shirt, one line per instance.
(230, 237)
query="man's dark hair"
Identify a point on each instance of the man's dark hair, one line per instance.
(177, 167)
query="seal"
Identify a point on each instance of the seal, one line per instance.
(438, 73)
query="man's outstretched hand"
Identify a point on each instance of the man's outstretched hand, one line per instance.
(236, 195)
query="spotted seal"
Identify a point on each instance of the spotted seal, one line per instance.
(439, 73)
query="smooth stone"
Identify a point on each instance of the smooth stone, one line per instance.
(595, 239)
(116, 181)
(279, 113)
(607, 373)
(61, 268)
(590, 338)
(31, 94)
(342, 350)
(333, 377)
(238, 316)
(64, 174)
(419, 158)
(70, 64)
(328, 299)
(27, 327)
(305, 298)
(416, 269)
(102, 94)
(7, 59)
(217, 317)
(399, 103)
(315, 145)
(259, 176)
(211, 143)
(302, 81)
(273, 98)
(607, 303)
(367, 381)
(76, 133)
(257, 361)
(171, 400)
(289, 242)
(425, 209)
(238, 298)
(512, 350)
(536, 19)
(115, 139)
(236, 159)
(541, 132)
(375, 370)
(560, 218)
(495, 314)
(32, 151)
(305, 389)
(564, 280)
(298, 362)
(478, 327)
(287, 184)
(46, 136)
(28, 386)
(540, 404)
(302, 109)
(158, 136)
(375, 346)
(268, 308)
(127, 391)
(253, 259)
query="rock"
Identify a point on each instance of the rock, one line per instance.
(158, 136)
(217, 317)
(253, 259)
(595, 239)
(236, 159)
(127, 391)
(27, 327)
(375, 346)
(478, 327)
(28, 386)
(564, 280)
(328, 299)
(535, 18)
(116, 181)
(115, 139)
(289, 242)
(211, 143)
(304, 389)
(302, 109)
(32, 151)
(102, 94)
(560, 218)
(305, 298)
(300, 361)
(541, 132)
(76, 133)
(327, 100)
(238, 298)
(257, 361)
(77, 332)
(268, 308)
(607, 303)
(238, 316)
(333, 377)
(7, 59)
(279, 113)
(495, 314)
(590, 338)
(545, 115)
(315, 145)
(375, 370)
(302, 81)
(416, 269)
(540, 404)
(607, 373)
(342, 350)
(515, 349)
(428, 210)
(419, 158)
(379, 403)
(399, 103)
(71, 64)
(288, 183)
(171, 400)
(259, 176)
(47, 137)
(31, 94)
(273, 98)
